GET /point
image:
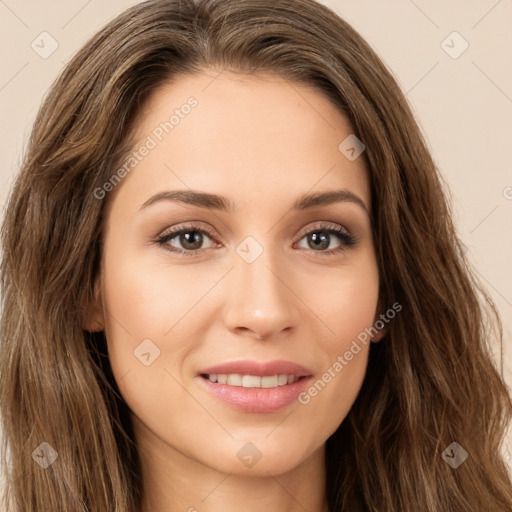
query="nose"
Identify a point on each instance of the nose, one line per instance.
(261, 302)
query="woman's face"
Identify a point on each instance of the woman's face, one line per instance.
(253, 283)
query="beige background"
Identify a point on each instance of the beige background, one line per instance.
(463, 104)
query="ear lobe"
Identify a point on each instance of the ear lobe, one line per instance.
(380, 323)
(94, 320)
(378, 337)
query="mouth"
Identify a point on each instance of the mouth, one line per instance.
(256, 387)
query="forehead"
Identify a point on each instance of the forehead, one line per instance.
(241, 105)
(225, 131)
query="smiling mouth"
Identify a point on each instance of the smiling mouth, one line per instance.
(252, 381)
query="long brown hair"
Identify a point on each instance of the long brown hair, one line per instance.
(429, 383)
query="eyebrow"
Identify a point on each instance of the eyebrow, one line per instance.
(217, 202)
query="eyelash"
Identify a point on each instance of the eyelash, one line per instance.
(347, 240)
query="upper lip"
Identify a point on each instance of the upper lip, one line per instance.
(258, 368)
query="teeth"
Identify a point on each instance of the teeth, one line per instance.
(234, 379)
(252, 381)
(270, 381)
(283, 379)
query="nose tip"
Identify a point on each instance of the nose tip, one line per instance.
(260, 303)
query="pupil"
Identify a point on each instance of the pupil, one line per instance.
(194, 240)
(323, 238)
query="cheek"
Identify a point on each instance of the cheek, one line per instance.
(150, 334)
(151, 322)
(151, 299)
(346, 300)
(347, 306)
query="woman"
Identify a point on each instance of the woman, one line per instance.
(231, 280)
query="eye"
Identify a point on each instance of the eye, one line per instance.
(191, 239)
(322, 236)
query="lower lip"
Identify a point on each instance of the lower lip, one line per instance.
(257, 399)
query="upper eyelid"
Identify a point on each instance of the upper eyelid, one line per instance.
(186, 227)
(323, 224)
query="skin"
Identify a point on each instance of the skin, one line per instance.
(261, 142)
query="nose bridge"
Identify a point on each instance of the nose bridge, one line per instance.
(260, 300)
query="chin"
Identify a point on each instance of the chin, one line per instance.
(261, 454)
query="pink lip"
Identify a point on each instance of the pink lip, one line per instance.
(262, 369)
(257, 400)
